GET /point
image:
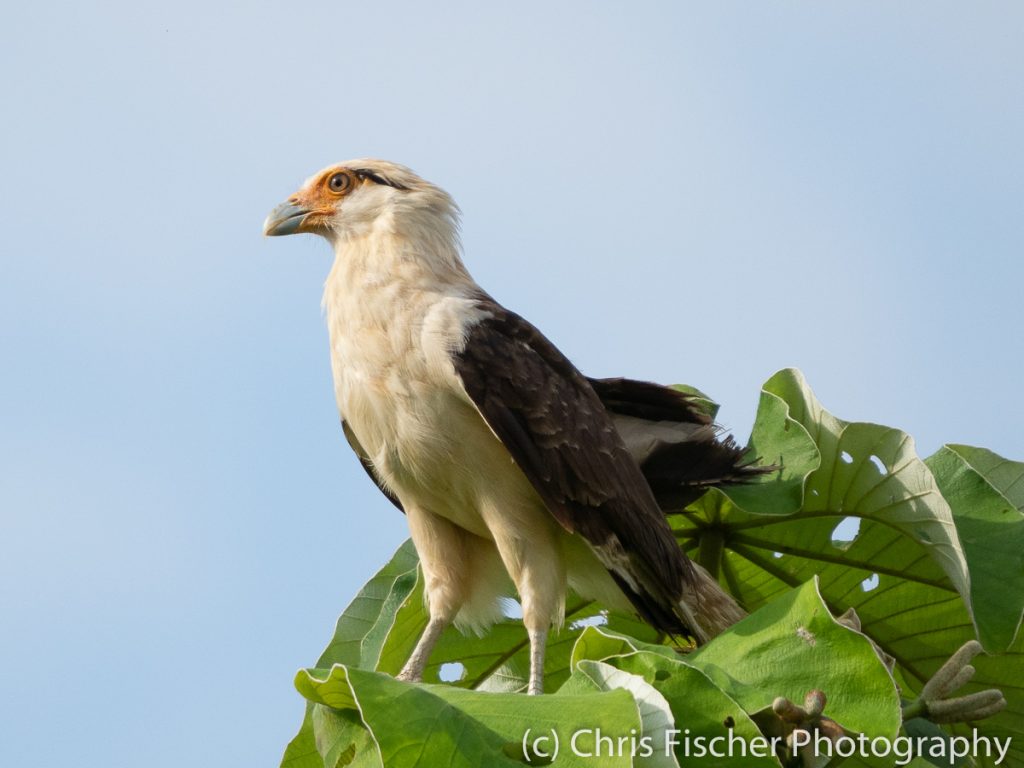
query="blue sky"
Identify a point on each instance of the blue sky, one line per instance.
(695, 193)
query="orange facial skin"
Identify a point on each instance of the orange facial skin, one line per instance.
(321, 197)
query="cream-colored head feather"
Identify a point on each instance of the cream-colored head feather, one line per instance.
(363, 203)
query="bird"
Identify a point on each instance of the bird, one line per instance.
(518, 475)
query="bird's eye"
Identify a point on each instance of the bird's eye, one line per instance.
(339, 183)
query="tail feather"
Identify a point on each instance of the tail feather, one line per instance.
(712, 608)
(680, 450)
(680, 472)
(682, 453)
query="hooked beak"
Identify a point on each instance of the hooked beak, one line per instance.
(286, 219)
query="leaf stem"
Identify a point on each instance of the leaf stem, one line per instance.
(712, 543)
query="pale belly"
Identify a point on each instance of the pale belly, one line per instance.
(444, 459)
(433, 449)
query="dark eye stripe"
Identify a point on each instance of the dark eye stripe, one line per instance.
(376, 178)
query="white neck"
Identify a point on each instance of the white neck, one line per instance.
(401, 246)
(392, 271)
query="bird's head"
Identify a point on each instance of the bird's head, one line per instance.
(362, 197)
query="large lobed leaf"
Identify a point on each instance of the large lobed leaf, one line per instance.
(929, 553)
(619, 687)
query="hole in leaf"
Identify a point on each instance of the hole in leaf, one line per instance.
(776, 555)
(879, 464)
(597, 620)
(846, 532)
(662, 674)
(452, 671)
(846, 458)
(870, 582)
(511, 609)
(729, 722)
(814, 492)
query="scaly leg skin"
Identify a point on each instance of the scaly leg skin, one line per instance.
(412, 672)
(538, 641)
(541, 609)
(539, 577)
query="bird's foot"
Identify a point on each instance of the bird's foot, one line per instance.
(409, 676)
(934, 703)
(412, 672)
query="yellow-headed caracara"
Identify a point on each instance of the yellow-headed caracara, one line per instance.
(507, 461)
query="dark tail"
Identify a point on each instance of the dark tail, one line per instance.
(680, 449)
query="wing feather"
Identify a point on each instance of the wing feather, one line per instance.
(367, 464)
(559, 433)
(680, 450)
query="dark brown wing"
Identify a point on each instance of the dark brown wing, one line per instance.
(558, 432)
(364, 460)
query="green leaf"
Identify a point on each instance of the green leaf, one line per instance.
(601, 643)
(930, 554)
(905, 570)
(703, 403)
(786, 648)
(358, 636)
(368, 622)
(649, 746)
(1004, 475)
(697, 704)
(904, 563)
(301, 751)
(342, 739)
(991, 527)
(793, 645)
(414, 726)
(778, 439)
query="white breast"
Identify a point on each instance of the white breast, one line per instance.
(391, 352)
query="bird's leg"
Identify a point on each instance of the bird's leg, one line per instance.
(444, 562)
(538, 642)
(540, 579)
(532, 553)
(412, 672)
